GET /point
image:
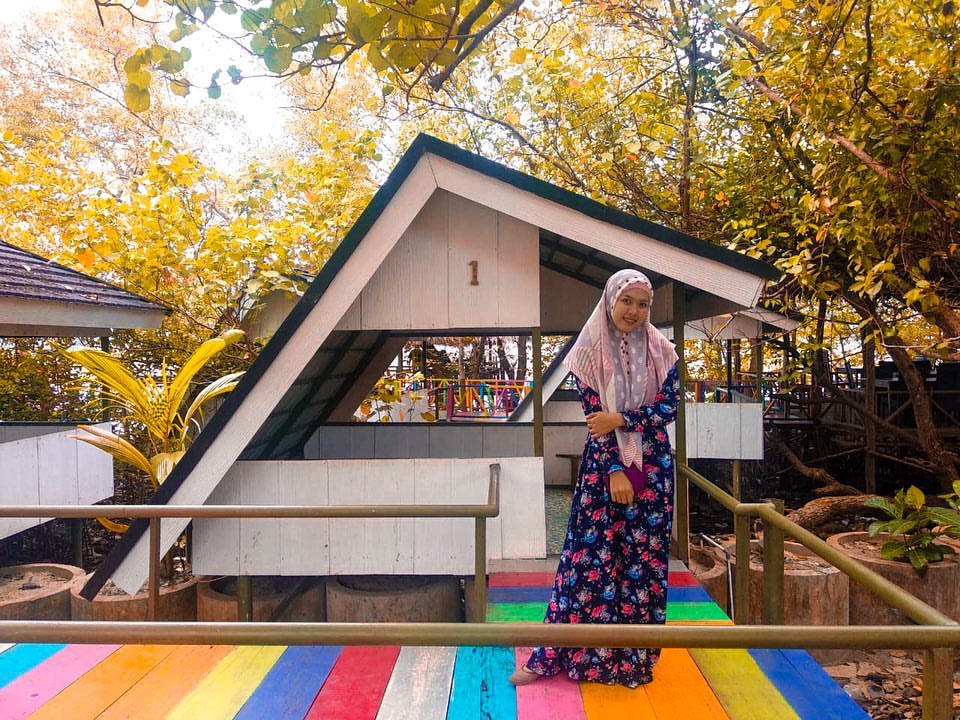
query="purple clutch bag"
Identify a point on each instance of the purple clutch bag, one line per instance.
(637, 478)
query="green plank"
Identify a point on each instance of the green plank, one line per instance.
(678, 611)
(534, 611)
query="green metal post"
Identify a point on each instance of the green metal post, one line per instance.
(681, 486)
(741, 569)
(938, 684)
(537, 394)
(480, 568)
(76, 540)
(245, 598)
(153, 581)
(773, 570)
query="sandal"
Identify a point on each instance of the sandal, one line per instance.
(524, 676)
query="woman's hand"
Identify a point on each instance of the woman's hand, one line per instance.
(601, 423)
(621, 491)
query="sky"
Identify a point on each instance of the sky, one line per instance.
(260, 101)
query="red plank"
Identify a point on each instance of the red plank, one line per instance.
(355, 686)
(682, 578)
(522, 579)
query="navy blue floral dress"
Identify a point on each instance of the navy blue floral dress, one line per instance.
(613, 567)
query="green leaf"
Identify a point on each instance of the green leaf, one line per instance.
(881, 503)
(277, 59)
(259, 42)
(179, 87)
(250, 20)
(136, 98)
(235, 74)
(214, 91)
(893, 550)
(944, 516)
(918, 560)
(915, 497)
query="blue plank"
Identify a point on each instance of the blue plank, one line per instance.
(480, 688)
(290, 687)
(542, 594)
(17, 660)
(812, 693)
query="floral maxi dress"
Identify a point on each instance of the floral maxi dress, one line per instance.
(613, 567)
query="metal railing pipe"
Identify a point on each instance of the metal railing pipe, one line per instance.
(481, 634)
(773, 562)
(914, 608)
(259, 512)
(153, 576)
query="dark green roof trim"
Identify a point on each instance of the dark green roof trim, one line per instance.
(423, 144)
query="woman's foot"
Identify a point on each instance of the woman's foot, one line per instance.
(524, 676)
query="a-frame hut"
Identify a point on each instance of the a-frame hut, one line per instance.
(452, 243)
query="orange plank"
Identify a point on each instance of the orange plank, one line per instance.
(604, 702)
(99, 688)
(679, 690)
(162, 689)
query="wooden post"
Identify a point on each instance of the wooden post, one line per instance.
(729, 370)
(938, 684)
(681, 486)
(735, 480)
(244, 598)
(537, 395)
(870, 403)
(76, 540)
(758, 351)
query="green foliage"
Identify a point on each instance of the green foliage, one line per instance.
(404, 41)
(916, 527)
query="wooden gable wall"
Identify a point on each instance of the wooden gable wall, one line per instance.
(425, 281)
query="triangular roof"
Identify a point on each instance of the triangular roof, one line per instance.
(41, 298)
(283, 393)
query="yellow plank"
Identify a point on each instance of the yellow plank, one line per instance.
(100, 686)
(679, 690)
(160, 691)
(741, 686)
(223, 692)
(605, 702)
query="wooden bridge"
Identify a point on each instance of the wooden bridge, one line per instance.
(358, 683)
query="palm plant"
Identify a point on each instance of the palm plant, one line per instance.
(153, 403)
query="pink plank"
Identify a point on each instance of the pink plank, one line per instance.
(682, 578)
(32, 689)
(555, 698)
(522, 579)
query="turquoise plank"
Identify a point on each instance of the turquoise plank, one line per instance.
(17, 660)
(480, 687)
(288, 690)
(812, 693)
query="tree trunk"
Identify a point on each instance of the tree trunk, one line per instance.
(521, 357)
(823, 482)
(819, 513)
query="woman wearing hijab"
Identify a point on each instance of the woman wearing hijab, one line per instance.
(613, 567)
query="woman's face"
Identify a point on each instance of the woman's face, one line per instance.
(631, 309)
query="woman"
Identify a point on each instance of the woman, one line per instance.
(613, 568)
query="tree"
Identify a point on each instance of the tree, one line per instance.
(152, 404)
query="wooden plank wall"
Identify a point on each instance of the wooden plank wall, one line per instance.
(382, 546)
(426, 280)
(51, 469)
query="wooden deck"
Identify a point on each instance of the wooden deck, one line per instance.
(358, 683)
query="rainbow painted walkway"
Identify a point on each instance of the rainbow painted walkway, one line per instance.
(75, 682)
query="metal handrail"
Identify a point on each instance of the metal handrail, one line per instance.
(512, 634)
(940, 630)
(154, 513)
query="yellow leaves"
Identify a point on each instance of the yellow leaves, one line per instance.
(519, 55)
(86, 258)
(137, 99)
